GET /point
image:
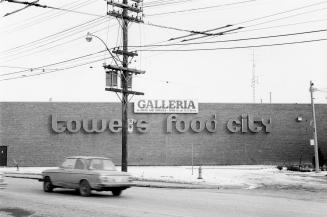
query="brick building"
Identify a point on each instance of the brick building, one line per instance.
(43, 133)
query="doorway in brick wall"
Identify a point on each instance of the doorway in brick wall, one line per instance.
(3, 156)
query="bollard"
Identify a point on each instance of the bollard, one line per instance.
(16, 164)
(200, 173)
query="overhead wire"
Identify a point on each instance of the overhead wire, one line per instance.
(87, 23)
(280, 26)
(53, 42)
(45, 16)
(235, 47)
(260, 18)
(52, 7)
(233, 40)
(163, 3)
(52, 71)
(200, 8)
(53, 64)
(286, 17)
(281, 12)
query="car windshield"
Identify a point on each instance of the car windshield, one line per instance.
(101, 164)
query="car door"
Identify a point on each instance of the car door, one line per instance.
(65, 175)
(79, 172)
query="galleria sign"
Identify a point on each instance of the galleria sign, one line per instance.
(165, 106)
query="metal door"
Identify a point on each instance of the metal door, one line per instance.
(3, 156)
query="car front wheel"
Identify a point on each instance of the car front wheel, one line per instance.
(116, 192)
(47, 185)
(84, 188)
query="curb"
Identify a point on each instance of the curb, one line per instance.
(137, 183)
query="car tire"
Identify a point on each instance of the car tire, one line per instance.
(47, 185)
(84, 188)
(116, 192)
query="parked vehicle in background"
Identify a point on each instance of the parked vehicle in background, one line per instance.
(86, 173)
(3, 184)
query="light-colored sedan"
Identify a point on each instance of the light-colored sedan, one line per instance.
(3, 184)
(85, 173)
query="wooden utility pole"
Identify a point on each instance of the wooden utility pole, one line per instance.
(125, 72)
(312, 89)
(124, 80)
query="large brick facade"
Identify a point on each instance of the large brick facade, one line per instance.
(26, 129)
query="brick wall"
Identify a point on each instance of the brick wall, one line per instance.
(25, 127)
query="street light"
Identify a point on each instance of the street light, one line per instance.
(89, 36)
(312, 89)
(126, 74)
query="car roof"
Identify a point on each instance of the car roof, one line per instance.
(89, 157)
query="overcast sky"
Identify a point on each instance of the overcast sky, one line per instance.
(39, 41)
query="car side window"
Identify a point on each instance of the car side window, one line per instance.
(79, 164)
(69, 163)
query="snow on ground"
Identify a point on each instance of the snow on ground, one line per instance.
(237, 176)
(244, 176)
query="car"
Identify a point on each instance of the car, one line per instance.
(87, 173)
(3, 184)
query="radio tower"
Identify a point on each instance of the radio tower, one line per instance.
(254, 79)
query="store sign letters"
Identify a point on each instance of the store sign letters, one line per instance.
(246, 123)
(249, 123)
(60, 125)
(165, 106)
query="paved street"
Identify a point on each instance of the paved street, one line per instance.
(25, 197)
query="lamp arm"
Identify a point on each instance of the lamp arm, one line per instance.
(106, 48)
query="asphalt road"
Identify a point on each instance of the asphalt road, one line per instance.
(24, 197)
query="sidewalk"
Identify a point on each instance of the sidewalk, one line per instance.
(213, 177)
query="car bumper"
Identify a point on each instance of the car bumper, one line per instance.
(111, 186)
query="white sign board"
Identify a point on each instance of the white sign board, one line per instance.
(312, 142)
(165, 106)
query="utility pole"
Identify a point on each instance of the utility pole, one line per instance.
(312, 89)
(125, 72)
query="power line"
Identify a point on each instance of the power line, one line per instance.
(53, 70)
(283, 25)
(282, 18)
(163, 3)
(239, 47)
(282, 12)
(235, 40)
(260, 18)
(51, 7)
(90, 22)
(46, 16)
(56, 45)
(178, 29)
(53, 64)
(201, 8)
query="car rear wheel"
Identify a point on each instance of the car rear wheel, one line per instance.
(84, 188)
(47, 185)
(116, 192)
